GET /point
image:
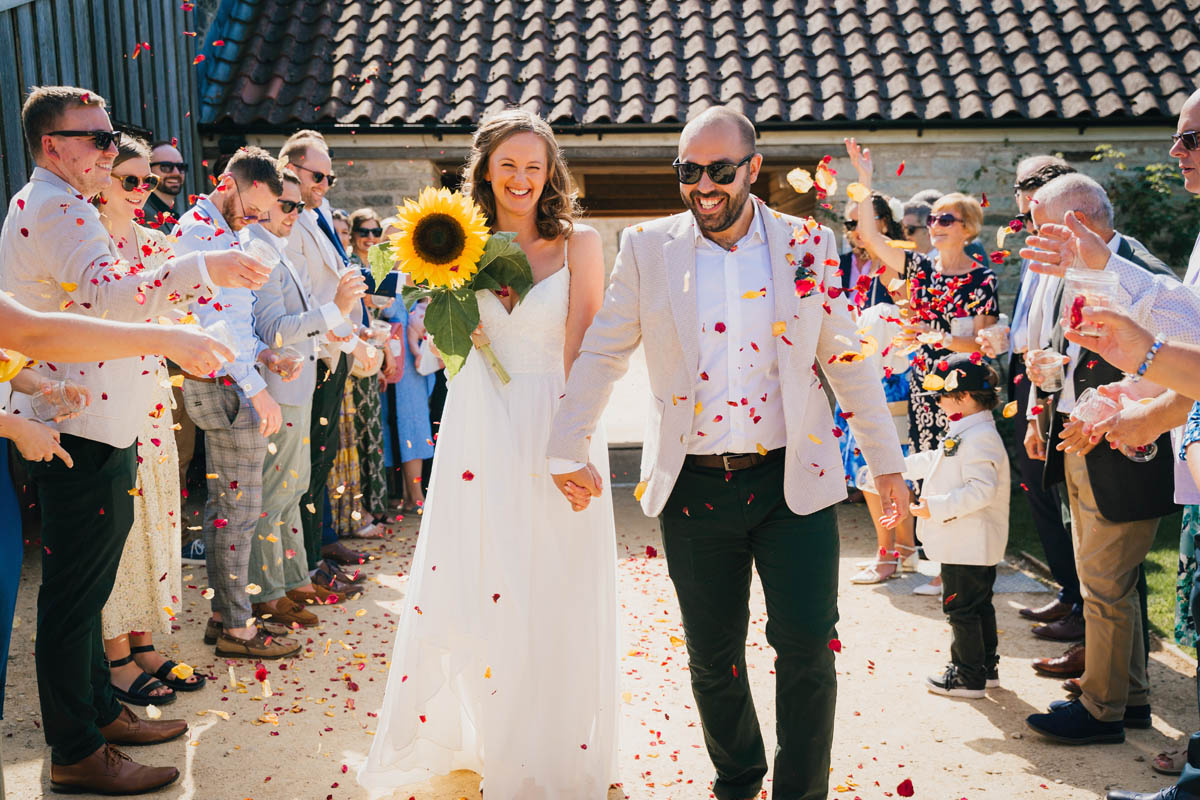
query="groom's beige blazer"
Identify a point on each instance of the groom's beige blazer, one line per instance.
(652, 300)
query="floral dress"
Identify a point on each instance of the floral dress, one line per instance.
(937, 299)
(1185, 622)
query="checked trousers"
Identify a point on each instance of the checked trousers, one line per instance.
(235, 451)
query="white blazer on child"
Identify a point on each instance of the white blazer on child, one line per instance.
(966, 487)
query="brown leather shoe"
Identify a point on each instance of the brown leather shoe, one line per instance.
(1051, 612)
(1067, 629)
(129, 729)
(286, 611)
(340, 554)
(262, 645)
(320, 596)
(1068, 665)
(212, 630)
(1072, 688)
(111, 772)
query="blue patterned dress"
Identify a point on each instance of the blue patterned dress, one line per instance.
(1185, 581)
(406, 429)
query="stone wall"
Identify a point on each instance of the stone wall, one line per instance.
(381, 184)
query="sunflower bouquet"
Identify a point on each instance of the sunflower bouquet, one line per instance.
(444, 244)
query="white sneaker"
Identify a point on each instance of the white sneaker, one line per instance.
(928, 589)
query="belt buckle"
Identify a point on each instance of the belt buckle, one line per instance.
(725, 460)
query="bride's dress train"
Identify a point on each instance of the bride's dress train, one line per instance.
(505, 658)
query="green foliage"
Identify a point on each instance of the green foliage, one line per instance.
(1151, 205)
(381, 260)
(504, 264)
(450, 319)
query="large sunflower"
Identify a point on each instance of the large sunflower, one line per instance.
(441, 238)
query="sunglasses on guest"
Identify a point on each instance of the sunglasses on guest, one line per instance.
(170, 166)
(911, 230)
(721, 172)
(944, 220)
(102, 139)
(852, 224)
(318, 176)
(376, 232)
(1189, 139)
(133, 182)
(288, 206)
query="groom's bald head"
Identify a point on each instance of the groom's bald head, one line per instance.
(736, 123)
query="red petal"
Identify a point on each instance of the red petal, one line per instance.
(835, 645)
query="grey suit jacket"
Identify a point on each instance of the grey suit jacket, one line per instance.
(652, 297)
(285, 315)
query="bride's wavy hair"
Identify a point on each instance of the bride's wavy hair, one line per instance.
(558, 207)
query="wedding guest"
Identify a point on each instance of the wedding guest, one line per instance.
(952, 297)
(408, 438)
(366, 231)
(234, 409)
(916, 210)
(314, 247)
(163, 204)
(341, 226)
(286, 316)
(55, 253)
(963, 513)
(148, 579)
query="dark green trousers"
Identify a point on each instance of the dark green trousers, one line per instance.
(86, 514)
(323, 444)
(968, 605)
(716, 528)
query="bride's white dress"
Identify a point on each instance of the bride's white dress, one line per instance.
(505, 660)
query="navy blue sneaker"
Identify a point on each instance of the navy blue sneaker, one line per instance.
(1071, 723)
(193, 553)
(1135, 716)
(1169, 793)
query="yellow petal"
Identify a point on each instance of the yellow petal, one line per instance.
(800, 179)
(933, 383)
(176, 381)
(68, 286)
(825, 179)
(902, 244)
(253, 588)
(812, 438)
(858, 192)
(153, 712)
(182, 671)
(778, 328)
(639, 490)
(762, 451)
(272, 538)
(1010, 410)
(208, 593)
(952, 381)
(754, 294)
(870, 346)
(699, 407)
(487, 673)
(676, 641)
(170, 612)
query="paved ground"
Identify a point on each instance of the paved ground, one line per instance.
(306, 740)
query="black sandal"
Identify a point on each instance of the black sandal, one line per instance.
(138, 693)
(163, 673)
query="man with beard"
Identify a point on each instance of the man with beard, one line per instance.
(235, 410)
(55, 254)
(739, 465)
(162, 206)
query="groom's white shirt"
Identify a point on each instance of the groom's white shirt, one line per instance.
(657, 295)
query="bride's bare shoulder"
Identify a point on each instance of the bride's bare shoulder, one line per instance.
(585, 248)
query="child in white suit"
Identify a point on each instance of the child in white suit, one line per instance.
(962, 518)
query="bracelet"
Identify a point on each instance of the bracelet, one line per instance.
(1159, 341)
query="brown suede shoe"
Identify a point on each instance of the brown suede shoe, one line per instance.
(322, 596)
(1051, 612)
(1067, 629)
(1068, 665)
(262, 645)
(129, 729)
(287, 611)
(111, 772)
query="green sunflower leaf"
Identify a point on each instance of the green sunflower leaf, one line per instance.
(382, 260)
(450, 319)
(505, 264)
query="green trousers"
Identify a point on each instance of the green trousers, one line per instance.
(278, 559)
(327, 399)
(86, 514)
(716, 528)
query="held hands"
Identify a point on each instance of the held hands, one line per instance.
(860, 158)
(919, 509)
(351, 288)
(236, 270)
(270, 416)
(895, 496)
(1055, 248)
(580, 486)
(1122, 342)
(193, 350)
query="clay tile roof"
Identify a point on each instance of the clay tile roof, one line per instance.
(438, 63)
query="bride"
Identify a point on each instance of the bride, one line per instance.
(505, 658)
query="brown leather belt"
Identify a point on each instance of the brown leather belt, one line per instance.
(198, 379)
(731, 462)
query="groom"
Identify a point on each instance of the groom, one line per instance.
(740, 463)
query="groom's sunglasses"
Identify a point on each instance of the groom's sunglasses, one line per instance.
(722, 172)
(1189, 139)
